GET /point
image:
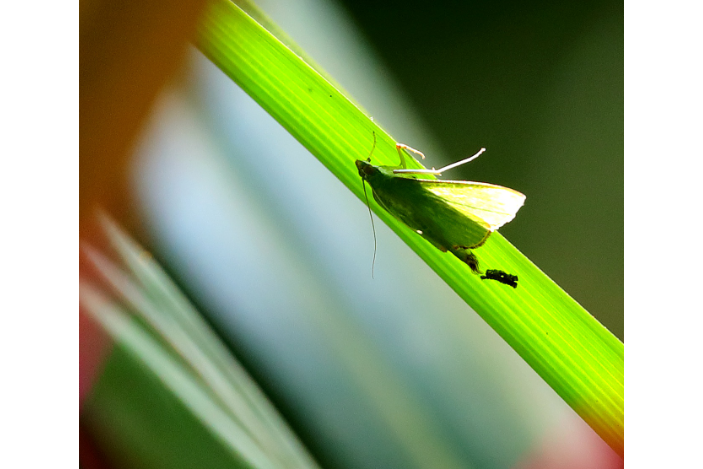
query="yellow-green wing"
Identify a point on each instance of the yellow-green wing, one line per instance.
(489, 205)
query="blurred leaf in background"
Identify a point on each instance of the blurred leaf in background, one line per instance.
(171, 395)
(128, 50)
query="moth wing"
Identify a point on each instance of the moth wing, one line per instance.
(489, 205)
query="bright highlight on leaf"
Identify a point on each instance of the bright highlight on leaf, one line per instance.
(454, 216)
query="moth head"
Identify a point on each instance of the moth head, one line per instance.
(365, 168)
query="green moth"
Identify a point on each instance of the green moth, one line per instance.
(455, 216)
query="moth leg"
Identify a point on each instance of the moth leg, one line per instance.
(472, 262)
(373, 147)
(400, 147)
(468, 258)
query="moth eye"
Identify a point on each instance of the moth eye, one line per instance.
(368, 159)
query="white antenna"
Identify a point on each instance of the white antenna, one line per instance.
(440, 170)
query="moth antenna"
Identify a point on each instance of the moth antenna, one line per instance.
(373, 228)
(440, 170)
(464, 161)
(372, 149)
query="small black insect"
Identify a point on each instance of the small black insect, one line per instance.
(502, 277)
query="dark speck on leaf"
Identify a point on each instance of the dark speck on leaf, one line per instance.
(502, 277)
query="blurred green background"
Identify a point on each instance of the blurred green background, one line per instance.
(390, 371)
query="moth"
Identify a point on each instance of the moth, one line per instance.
(454, 216)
